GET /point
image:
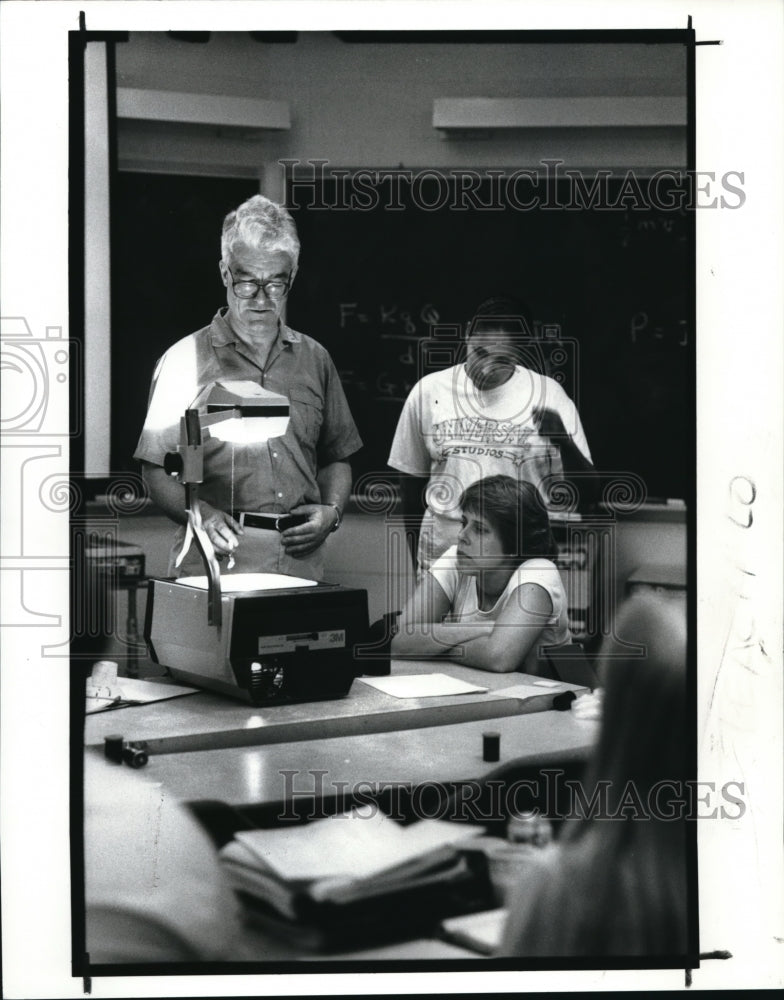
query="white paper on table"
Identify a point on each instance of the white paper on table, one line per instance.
(421, 685)
(136, 691)
(246, 583)
(525, 691)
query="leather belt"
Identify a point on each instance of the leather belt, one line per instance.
(268, 521)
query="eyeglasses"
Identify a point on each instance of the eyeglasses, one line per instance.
(274, 288)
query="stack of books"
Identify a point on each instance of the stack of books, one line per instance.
(355, 878)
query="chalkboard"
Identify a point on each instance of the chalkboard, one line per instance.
(609, 286)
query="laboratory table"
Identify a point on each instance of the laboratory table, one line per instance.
(205, 721)
(259, 775)
(206, 747)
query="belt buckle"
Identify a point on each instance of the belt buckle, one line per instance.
(271, 525)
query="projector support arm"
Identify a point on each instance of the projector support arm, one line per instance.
(207, 553)
(188, 464)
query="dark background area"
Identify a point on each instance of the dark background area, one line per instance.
(609, 293)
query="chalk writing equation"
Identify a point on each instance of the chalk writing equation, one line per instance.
(390, 389)
(385, 387)
(388, 315)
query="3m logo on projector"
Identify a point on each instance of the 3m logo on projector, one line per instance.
(329, 639)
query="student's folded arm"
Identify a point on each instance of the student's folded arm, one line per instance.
(420, 620)
(515, 632)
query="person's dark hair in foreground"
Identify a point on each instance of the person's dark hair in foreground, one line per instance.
(619, 887)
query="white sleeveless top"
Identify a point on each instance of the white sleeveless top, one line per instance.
(463, 599)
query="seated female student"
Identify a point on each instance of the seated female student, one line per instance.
(617, 885)
(494, 599)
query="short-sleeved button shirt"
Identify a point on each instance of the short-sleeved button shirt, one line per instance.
(276, 475)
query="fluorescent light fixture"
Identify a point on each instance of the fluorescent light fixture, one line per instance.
(202, 109)
(466, 113)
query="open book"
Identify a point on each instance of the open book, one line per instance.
(345, 858)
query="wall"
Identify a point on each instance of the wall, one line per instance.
(369, 104)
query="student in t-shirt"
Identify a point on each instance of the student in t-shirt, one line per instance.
(496, 413)
(495, 598)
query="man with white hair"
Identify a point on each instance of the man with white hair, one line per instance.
(306, 471)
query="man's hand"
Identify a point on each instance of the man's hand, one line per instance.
(550, 423)
(305, 538)
(221, 528)
(576, 467)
